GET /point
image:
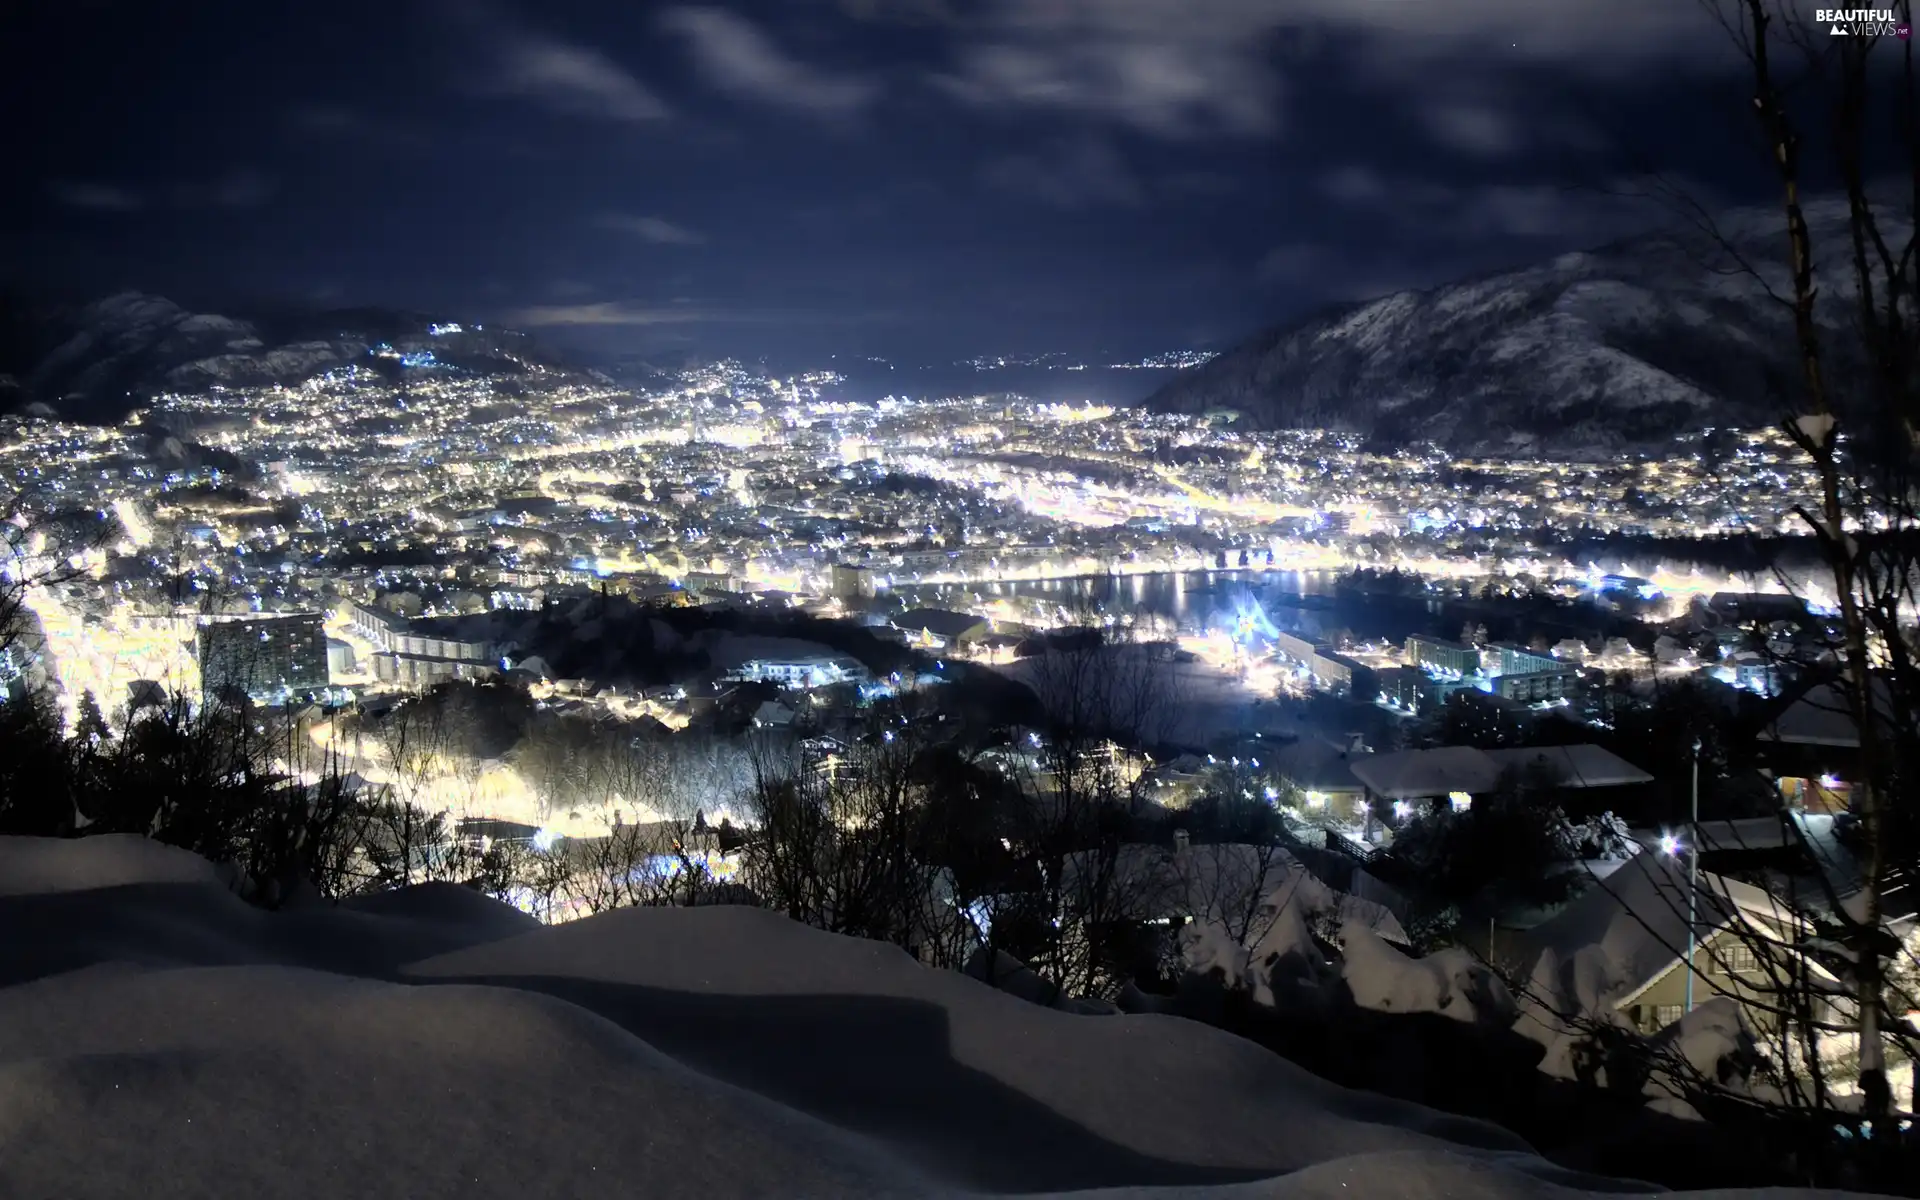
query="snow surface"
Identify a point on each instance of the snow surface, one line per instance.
(1450, 983)
(158, 1038)
(30, 866)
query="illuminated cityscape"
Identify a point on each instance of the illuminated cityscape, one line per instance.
(439, 498)
(959, 598)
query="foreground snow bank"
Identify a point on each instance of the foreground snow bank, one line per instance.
(43, 866)
(158, 1038)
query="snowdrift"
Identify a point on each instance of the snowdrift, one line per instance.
(159, 1038)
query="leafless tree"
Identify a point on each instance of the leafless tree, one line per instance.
(837, 832)
(410, 836)
(1078, 779)
(1831, 107)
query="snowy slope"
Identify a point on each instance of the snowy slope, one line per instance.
(159, 1039)
(1590, 353)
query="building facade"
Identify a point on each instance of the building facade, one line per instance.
(269, 659)
(1439, 655)
(1537, 687)
(850, 582)
(1518, 660)
(803, 672)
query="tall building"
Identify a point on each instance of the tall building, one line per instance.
(1438, 654)
(1535, 687)
(850, 582)
(1518, 660)
(1295, 647)
(269, 659)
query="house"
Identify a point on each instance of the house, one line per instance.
(772, 715)
(1321, 770)
(789, 662)
(938, 629)
(1464, 770)
(1620, 949)
(1423, 774)
(1812, 745)
(800, 671)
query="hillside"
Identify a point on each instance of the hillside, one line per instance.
(1585, 356)
(96, 361)
(161, 1038)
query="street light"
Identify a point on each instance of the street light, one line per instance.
(1693, 870)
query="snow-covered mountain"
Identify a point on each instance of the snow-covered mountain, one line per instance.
(93, 362)
(1584, 356)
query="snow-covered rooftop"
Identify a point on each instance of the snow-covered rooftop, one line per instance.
(1631, 927)
(1412, 774)
(1823, 716)
(1584, 765)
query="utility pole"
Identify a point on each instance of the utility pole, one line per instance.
(1693, 870)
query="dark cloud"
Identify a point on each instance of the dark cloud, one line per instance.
(1512, 211)
(737, 56)
(239, 189)
(681, 310)
(1175, 71)
(97, 197)
(513, 58)
(994, 174)
(657, 230)
(1069, 174)
(574, 79)
(1479, 129)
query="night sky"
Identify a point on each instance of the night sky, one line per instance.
(919, 179)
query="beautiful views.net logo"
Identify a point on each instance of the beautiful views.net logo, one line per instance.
(1862, 22)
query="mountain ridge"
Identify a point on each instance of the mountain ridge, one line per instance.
(1617, 349)
(96, 361)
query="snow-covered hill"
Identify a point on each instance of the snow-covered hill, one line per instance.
(93, 362)
(1591, 353)
(160, 1038)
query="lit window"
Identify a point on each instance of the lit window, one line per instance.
(1666, 1014)
(1738, 959)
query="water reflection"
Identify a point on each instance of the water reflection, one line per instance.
(1189, 600)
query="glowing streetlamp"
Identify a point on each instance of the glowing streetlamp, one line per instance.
(1693, 870)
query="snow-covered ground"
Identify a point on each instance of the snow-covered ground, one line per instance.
(159, 1038)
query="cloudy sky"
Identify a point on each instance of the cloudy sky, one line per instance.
(928, 178)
